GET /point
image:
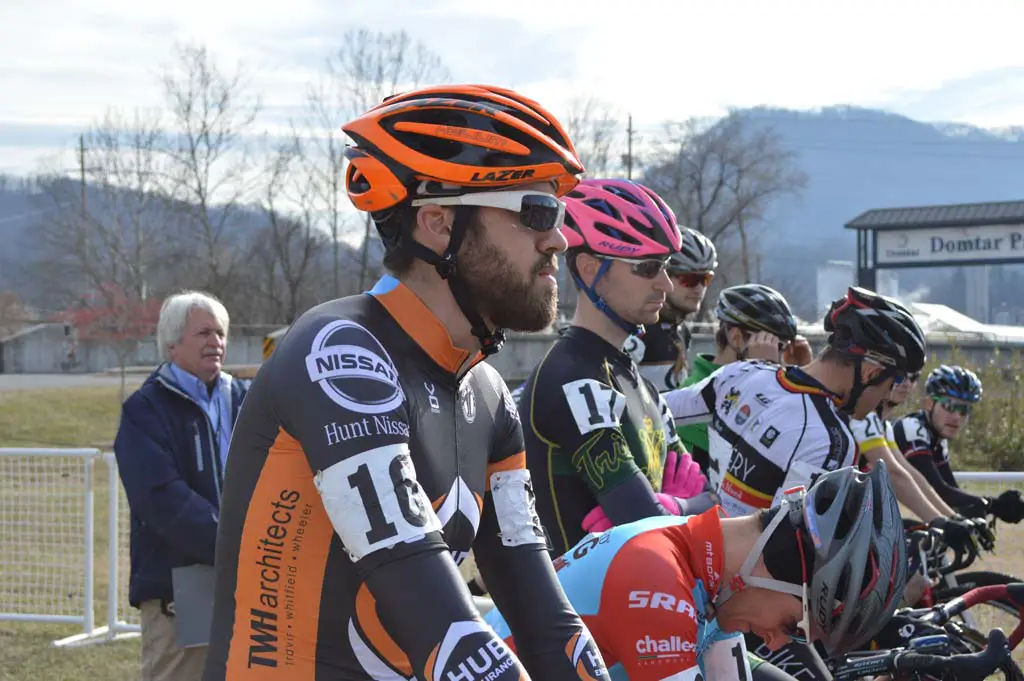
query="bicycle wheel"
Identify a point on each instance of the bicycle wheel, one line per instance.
(1001, 613)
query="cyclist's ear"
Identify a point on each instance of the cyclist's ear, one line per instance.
(434, 223)
(869, 371)
(587, 266)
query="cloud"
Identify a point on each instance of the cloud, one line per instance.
(990, 98)
(64, 63)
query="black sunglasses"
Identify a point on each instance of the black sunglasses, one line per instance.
(646, 269)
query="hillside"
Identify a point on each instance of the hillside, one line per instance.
(858, 159)
(855, 159)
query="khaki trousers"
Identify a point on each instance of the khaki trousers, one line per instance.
(162, 659)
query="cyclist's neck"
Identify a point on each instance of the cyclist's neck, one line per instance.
(738, 538)
(833, 377)
(725, 356)
(590, 318)
(436, 295)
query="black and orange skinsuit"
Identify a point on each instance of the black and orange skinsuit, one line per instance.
(365, 465)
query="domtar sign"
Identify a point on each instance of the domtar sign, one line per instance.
(988, 243)
(937, 236)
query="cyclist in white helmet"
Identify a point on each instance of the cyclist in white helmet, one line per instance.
(661, 351)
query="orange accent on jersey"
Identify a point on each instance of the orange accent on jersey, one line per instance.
(376, 635)
(792, 386)
(512, 463)
(284, 494)
(428, 332)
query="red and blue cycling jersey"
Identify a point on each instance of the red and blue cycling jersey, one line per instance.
(644, 591)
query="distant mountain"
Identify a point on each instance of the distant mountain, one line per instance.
(856, 159)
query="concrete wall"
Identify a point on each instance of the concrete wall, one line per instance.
(523, 352)
(45, 348)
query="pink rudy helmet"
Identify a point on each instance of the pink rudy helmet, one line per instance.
(620, 218)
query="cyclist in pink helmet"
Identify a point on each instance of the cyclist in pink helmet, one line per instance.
(597, 442)
(621, 224)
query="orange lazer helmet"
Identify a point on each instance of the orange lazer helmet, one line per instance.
(455, 139)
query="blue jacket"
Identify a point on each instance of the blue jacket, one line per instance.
(167, 460)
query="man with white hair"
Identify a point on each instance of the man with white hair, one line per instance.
(171, 450)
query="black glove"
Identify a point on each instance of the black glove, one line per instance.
(955, 534)
(978, 509)
(1008, 506)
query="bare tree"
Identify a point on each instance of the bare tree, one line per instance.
(721, 178)
(594, 129)
(210, 173)
(103, 243)
(366, 68)
(290, 241)
(112, 226)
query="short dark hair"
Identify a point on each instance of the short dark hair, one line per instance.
(397, 260)
(783, 546)
(722, 335)
(832, 356)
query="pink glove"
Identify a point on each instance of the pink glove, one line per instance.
(668, 503)
(596, 521)
(682, 477)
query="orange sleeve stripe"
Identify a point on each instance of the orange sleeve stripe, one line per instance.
(511, 463)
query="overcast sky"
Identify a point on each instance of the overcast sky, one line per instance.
(64, 62)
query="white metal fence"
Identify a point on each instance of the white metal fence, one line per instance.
(60, 551)
(64, 557)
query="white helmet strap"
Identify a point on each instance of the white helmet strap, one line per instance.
(792, 506)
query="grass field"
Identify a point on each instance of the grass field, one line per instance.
(87, 417)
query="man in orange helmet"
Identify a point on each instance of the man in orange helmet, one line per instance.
(376, 448)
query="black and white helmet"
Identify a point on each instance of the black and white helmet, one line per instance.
(756, 307)
(697, 253)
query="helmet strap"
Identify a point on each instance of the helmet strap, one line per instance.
(490, 341)
(791, 507)
(601, 304)
(860, 386)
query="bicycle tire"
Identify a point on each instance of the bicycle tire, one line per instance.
(970, 580)
(966, 581)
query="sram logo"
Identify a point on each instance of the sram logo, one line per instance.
(663, 601)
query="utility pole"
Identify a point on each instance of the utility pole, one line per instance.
(81, 169)
(629, 147)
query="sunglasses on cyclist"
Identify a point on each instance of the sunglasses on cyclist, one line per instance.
(646, 269)
(692, 279)
(962, 408)
(914, 376)
(538, 211)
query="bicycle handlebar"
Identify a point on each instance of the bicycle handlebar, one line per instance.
(929, 542)
(968, 667)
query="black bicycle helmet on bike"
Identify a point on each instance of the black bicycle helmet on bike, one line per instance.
(953, 381)
(851, 540)
(756, 307)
